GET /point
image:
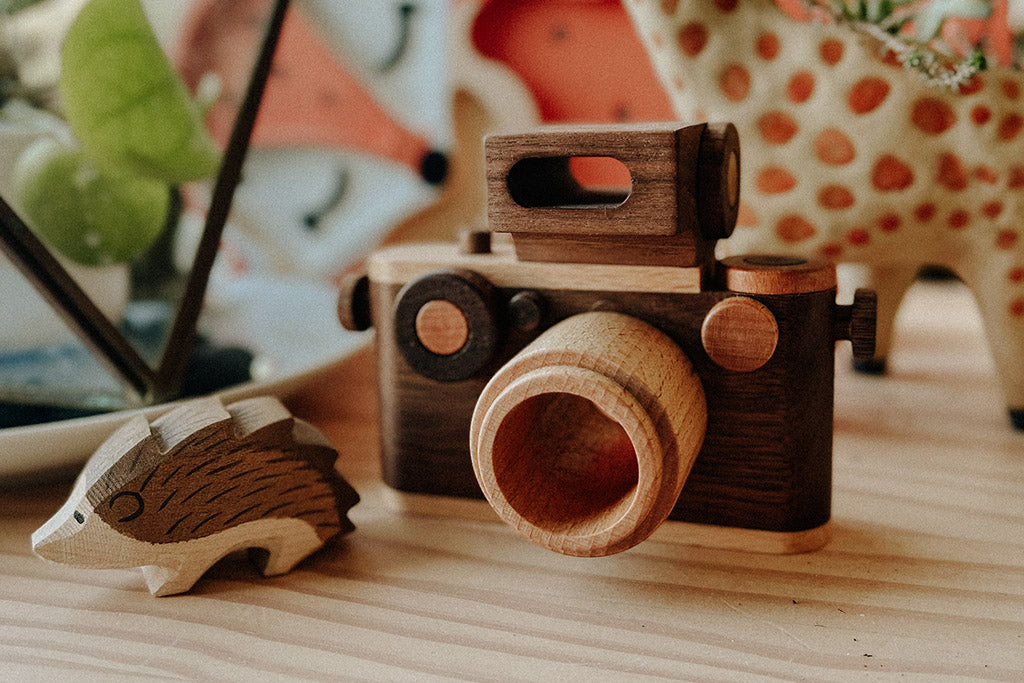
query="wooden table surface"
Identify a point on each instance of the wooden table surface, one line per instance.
(924, 575)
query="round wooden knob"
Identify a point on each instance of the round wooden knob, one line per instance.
(354, 302)
(583, 441)
(718, 180)
(863, 316)
(526, 310)
(441, 327)
(770, 274)
(473, 241)
(740, 334)
(445, 325)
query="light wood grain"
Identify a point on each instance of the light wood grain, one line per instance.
(406, 262)
(765, 460)
(740, 334)
(175, 496)
(441, 327)
(923, 577)
(583, 441)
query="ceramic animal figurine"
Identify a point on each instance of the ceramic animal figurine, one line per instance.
(199, 483)
(604, 372)
(852, 157)
(353, 137)
(330, 142)
(356, 111)
(516, 63)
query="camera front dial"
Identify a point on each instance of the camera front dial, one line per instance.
(445, 324)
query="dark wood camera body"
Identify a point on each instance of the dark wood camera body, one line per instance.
(766, 458)
(601, 372)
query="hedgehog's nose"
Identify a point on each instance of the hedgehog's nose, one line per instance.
(434, 167)
(50, 541)
(45, 546)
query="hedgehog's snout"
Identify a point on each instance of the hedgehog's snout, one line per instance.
(47, 548)
(50, 541)
(54, 539)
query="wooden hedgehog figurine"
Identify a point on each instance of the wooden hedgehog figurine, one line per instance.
(201, 482)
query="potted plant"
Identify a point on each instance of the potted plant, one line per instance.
(96, 132)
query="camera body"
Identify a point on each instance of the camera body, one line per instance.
(603, 373)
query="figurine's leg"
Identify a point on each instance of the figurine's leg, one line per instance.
(162, 580)
(284, 552)
(890, 282)
(998, 288)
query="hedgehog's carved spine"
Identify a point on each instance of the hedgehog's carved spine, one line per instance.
(198, 484)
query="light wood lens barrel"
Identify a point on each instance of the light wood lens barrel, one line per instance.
(583, 441)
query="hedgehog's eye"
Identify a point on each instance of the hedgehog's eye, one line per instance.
(134, 513)
(79, 517)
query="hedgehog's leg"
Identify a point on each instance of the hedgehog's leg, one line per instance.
(168, 580)
(890, 282)
(284, 552)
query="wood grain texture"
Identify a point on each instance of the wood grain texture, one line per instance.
(199, 483)
(469, 299)
(354, 302)
(766, 458)
(718, 180)
(683, 194)
(775, 275)
(531, 189)
(403, 263)
(706, 536)
(583, 441)
(923, 578)
(637, 250)
(739, 334)
(858, 322)
(441, 327)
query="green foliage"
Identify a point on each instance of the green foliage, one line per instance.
(124, 100)
(139, 131)
(928, 16)
(873, 11)
(921, 50)
(92, 217)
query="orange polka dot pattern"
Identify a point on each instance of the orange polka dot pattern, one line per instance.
(848, 155)
(867, 94)
(735, 82)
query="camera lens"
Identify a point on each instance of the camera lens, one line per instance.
(583, 441)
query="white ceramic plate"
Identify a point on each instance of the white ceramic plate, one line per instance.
(34, 451)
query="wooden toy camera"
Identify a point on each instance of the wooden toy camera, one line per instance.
(606, 373)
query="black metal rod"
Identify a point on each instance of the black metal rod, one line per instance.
(34, 260)
(182, 336)
(48, 276)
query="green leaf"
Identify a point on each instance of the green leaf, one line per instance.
(978, 61)
(125, 102)
(91, 217)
